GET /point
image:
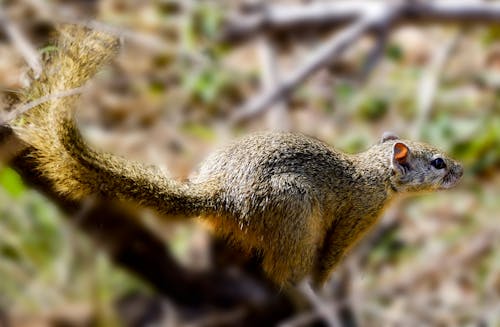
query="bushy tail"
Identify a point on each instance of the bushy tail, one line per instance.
(63, 155)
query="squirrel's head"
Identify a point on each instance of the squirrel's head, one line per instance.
(420, 167)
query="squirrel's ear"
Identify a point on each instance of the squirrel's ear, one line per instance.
(388, 136)
(400, 153)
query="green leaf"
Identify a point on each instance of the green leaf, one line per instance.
(394, 52)
(47, 49)
(199, 130)
(11, 182)
(344, 91)
(373, 109)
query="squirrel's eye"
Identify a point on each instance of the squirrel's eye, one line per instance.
(438, 163)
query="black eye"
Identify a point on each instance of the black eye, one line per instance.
(438, 163)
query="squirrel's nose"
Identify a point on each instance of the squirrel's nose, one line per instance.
(459, 170)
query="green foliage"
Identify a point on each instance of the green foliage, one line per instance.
(373, 109)
(391, 248)
(394, 52)
(156, 88)
(47, 49)
(492, 35)
(344, 91)
(482, 152)
(354, 142)
(199, 131)
(203, 24)
(207, 85)
(44, 262)
(11, 182)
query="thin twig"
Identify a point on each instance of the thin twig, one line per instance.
(277, 117)
(220, 318)
(303, 319)
(429, 83)
(375, 54)
(325, 310)
(25, 48)
(20, 110)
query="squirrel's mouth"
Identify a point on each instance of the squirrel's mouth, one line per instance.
(452, 178)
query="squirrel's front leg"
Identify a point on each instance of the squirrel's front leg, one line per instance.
(343, 235)
(329, 258)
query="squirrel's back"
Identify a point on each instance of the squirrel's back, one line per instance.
(258, 165)
(258, 156)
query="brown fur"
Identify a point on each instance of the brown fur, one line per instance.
(293, 199)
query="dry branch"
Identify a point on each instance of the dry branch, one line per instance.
(277, 117)
(324, 309)
(366, 16)
(22, 44)
(375, 54)
(332, 49)
(279, 18)
(429, 83)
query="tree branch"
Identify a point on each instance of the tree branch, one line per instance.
(25, 48)
(328, 14)
(277, 118)
(429, 83)
(366, 16)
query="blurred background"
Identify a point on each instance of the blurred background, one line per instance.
(189, 77)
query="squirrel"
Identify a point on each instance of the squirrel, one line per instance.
(292, 199)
